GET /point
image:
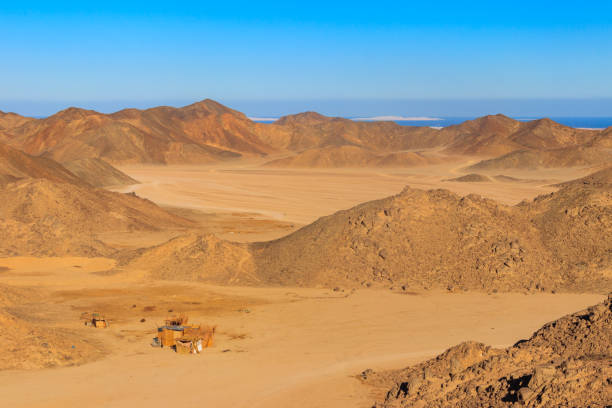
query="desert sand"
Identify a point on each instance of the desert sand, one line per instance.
(290, 347)
(302, 195)
(342, 246)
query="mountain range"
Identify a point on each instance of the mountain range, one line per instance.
(208, 132)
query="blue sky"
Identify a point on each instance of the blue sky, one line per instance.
(371, 57)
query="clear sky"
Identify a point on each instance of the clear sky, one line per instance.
(382, 56)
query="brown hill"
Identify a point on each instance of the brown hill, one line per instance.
(419, 239)
(576, 223)
(565, 363)
(47, 210)
(471, 178)
(498, 134)
(9, 120)
(327, 157)
(40, 217)
(601, 178)
(98, 173)
(487, 135)
(311, 130)
(15, 165)
(207, 131)
(352, 156)
(194, 257)
(602, 140)
(572, 156)
(438, 239)
(331, 142)
(430, 239)
(199, 133)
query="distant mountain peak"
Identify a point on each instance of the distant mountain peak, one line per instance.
(308, 117)
(73, 113)
(209, 106)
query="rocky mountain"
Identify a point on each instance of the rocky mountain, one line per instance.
(203, 132)
(495, 135)
(320, 141)
(208, 132)
(311, 130)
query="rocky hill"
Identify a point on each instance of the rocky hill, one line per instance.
(567, 363)
(196, 257)
(471, 178)
(498, 134)
(429, 239)
(311, 130)
(9, 120)
(322, 141)
(98, 173)
(43, 218)
(48, 210)
(573, 156)
(16, 165)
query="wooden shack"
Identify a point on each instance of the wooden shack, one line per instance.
(97, 321)
(169, 334)
(185, 338)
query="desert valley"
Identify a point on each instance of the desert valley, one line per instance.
(344, 263)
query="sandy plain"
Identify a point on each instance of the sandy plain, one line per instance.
(243, 201)
(276, 347)
(289, 347)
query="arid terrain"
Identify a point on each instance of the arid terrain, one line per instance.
(321, 248)
(291, 347)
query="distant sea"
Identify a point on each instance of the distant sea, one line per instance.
(575, 122)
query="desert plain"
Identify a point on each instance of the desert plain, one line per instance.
(447, 248)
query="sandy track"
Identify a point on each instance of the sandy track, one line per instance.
(296, 347)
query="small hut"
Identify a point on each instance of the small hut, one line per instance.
(185, 338)
(98, 321)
